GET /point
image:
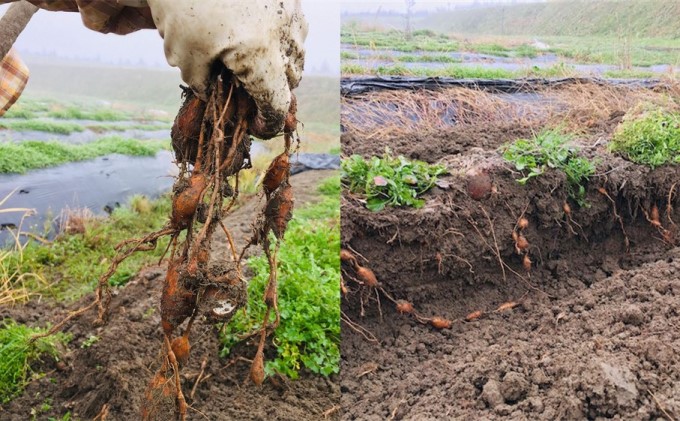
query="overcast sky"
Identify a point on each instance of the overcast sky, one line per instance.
(63, 35)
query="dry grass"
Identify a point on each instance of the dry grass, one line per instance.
(12, 278)
(75, 220)
(584, 108)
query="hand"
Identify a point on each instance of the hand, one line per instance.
(260, 41)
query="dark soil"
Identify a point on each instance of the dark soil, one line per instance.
(596, 332)
(114, 371)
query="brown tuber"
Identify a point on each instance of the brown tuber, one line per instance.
(279, 210)
(181, 348)
(522, 244)
(404, 307)
(506, 306)
(440, 323)
(654, 216)
(523, 223)
(257, 369)
(366, 276)
(566, 208)
(177, 302)
(479, 185)
(347, 256)
(277, 173)
(185, 203)
(473, 316)
(526, 263)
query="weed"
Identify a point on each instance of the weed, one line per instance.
(17, 353)
(546, 150)
(389, 180)
(140, 204)
(652, 138)
(91, 340)
(309, 297)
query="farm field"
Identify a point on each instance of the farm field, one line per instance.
(617, 39)
(534, 275)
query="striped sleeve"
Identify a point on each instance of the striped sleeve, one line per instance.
(106, 16)
(13, 79)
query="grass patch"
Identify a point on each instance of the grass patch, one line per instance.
(77, 113)
(651, 139)
(57, 127)
(19, 113)
(463, 72)
(17, 354)
(396, 40)
(629, 74)
(103, 128)
(28, 155)
(309, 295)
(549, 149)
(390, 181)
(71, 264)
(490, 49)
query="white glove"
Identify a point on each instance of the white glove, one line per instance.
(260, 41)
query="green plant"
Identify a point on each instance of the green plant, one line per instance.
(651, 139)
(546, 150)
(389, 180)
(18, 352)
(309, 297)
(91, 340)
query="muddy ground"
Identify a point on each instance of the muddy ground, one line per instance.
(114, 372)
(596, 334)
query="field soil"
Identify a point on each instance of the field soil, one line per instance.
(594, 331)
(110, 375)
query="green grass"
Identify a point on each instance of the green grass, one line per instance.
(625, 47)
(17, 354)
(396, 40)
(28, 155)
(309, 294)
(652, 139)
(19, 113)
(71, 264)
(463, 72)
(78, 113)
(490, 49)
(550, 150)
(103, 128)
(390, 181)
(629, 74)
(57, 127)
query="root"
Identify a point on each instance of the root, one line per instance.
(370, 337)
(669, 205)
(618, 217)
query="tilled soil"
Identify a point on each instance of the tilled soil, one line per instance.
(112, 374)
(595, 334)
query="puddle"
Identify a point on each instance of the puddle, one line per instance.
(99, 185)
